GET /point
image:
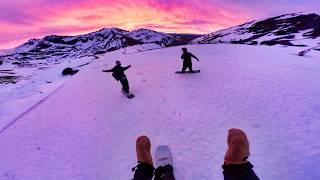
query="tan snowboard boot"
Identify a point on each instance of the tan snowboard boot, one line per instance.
(144, 169)
(143, 147)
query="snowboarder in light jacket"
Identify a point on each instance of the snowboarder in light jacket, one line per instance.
(186, 56)
(118, 74)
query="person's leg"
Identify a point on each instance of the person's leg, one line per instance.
(144, 170)
(190, 67)
(164, 173)
(185, 66)
(125, 85)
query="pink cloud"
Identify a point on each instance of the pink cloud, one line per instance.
(90, 17)
(38, 18)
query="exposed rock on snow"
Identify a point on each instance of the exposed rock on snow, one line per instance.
(69, 71)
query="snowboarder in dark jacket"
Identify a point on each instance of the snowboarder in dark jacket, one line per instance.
(186, 56)
(118, 74)
(236, 166)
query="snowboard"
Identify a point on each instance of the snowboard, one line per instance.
(163, 159)
(185, 72)
(163, 156)
(302, 53)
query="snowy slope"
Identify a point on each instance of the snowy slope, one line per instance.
(24, 87)
(86, 129)
(298, 29)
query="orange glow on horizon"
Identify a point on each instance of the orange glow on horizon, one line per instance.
(88, 16)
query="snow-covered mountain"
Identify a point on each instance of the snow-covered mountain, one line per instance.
(297, 29)
(103, 40)
(150, 36)
(100, 42)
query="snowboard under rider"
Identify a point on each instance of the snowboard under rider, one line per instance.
(187, 62)
(118, 74)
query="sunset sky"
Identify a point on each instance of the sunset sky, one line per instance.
(21, 20)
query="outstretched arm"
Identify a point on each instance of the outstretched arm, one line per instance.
(125, 68)
(109, 70)
(194, 57)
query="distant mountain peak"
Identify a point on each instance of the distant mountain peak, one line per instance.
(295, 29)
(90, 44)
(112, 29)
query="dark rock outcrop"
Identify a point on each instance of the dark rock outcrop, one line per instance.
(69, 71)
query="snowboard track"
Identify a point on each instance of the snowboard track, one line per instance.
(30, 109)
